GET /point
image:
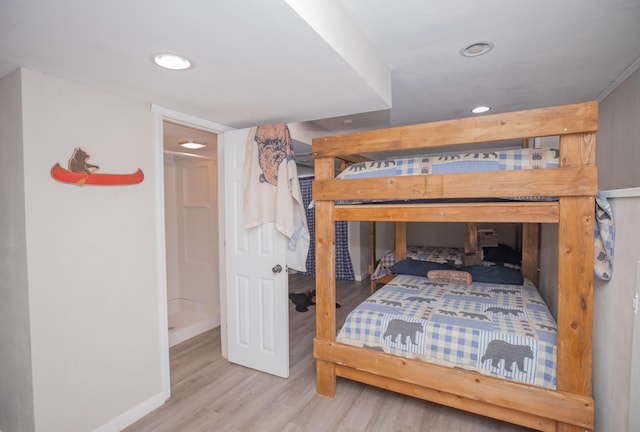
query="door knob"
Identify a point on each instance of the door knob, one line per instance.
(277, 268)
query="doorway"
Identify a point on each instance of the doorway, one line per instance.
(191, 231)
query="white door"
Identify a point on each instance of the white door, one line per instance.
(256, 277)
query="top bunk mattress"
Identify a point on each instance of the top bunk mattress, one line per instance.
(500, 160)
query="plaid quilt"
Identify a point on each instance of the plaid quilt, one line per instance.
(500, 330)
(604, 239)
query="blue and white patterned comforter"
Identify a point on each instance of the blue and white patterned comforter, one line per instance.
(501, 330)
(500, 160)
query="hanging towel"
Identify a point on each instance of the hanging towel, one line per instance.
(604, 238)
(272, 190)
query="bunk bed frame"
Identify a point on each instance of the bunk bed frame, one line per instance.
(472, 255)
(568, 408)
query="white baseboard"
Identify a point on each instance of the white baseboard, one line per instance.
(362, 276)
(180, 304)
(134, 414)
(180, 335)
(189, 318)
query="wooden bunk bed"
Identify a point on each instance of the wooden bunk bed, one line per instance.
(568, 407)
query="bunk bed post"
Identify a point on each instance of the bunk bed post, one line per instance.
(575, 277)
(372, 252)
(471, 249)
(401, 240)
(325, 279)
(530, 251)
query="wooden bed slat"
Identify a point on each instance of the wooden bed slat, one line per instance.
(477, 212)
(572, 181)
(541, 122)
(448, 399)
(556, 405)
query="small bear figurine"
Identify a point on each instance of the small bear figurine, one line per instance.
(78, 162)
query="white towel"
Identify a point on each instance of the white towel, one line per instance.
(272, 189)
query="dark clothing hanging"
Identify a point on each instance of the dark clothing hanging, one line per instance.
(344, 267)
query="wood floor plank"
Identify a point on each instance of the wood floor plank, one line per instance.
(210, 394)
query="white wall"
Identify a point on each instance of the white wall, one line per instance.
(94, 259)
(191, 207)
(16, 396)
(171, 230)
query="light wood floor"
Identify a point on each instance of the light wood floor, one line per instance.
(210, 394)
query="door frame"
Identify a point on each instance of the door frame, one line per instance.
(160, 115)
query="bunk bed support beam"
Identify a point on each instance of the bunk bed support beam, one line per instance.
(401, 240)
(325, 278)
(575, 277)
(504, 212)
(453, 401)
(577, 181)
(530, 251)
(471, 249)
(456, 388)
(559, 120)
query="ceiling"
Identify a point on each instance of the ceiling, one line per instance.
(175, 134)
(374, 63)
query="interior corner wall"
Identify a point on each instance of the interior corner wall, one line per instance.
(93, 257)
(618, 142)
(548, 277)
(359, 247)
(16, 395)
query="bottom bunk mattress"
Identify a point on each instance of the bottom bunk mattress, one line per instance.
(501, 330)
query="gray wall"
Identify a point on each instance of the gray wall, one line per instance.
(618, 140)
(618, 159)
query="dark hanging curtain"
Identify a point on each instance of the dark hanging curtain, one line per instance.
(344, 268)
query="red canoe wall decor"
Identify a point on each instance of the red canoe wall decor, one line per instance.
(82, 173)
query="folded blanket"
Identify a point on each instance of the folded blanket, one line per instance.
(603, 239)
(272, 190)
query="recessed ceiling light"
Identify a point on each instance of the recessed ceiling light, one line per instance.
(172, 61)
(192, 145)
(480, 109)
(475, 49)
